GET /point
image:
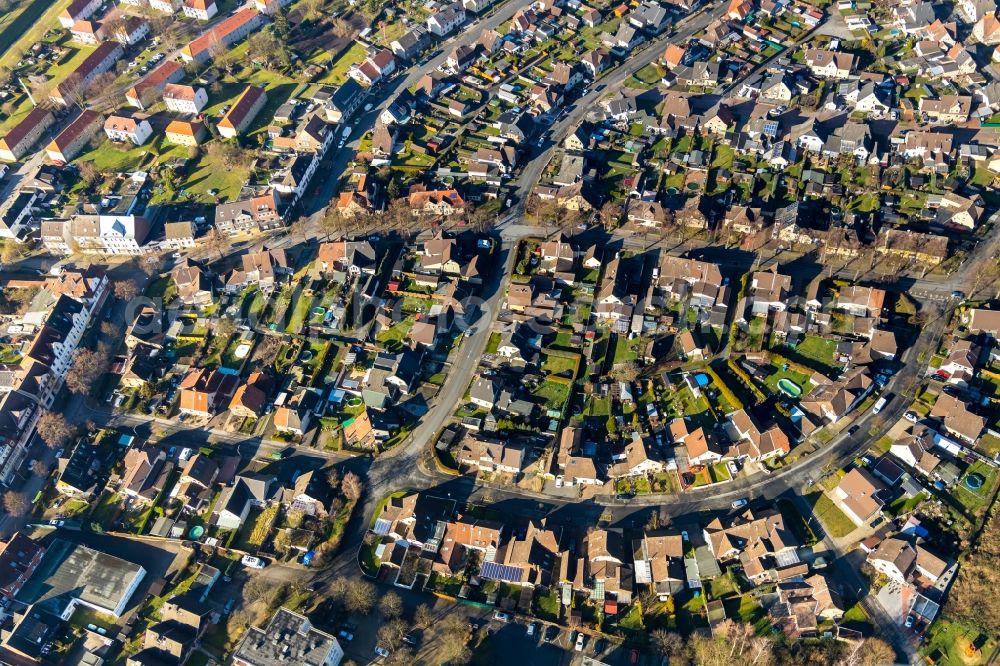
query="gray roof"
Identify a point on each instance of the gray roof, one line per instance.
(72, 571)
(289, 638)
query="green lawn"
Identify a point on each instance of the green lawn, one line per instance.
(818, 350)
(337, 73)
(973, 500)
(624, 351)
(397, 332)
(689, 406)
(546, 606)
(553, 393)
(111, 157)
(27, 28)
(779, 373)
(947, 641)
(834, 521)
(557, 363)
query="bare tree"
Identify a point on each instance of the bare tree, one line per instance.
(423, 617)
(341, 28)
(88, 173)
(15, 503)
(126, 290)
(670, 644)
(390, 634)
(333, 477)
(39, 468)
(54, 429)
(610, 215)
(627, 371)
(351, 486)
(870, 652)
(359, 597)
(87, 368)
(390, 605)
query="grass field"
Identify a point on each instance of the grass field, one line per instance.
(947, 641)
(27, 28)
(556, 364)
(818, 350)
(974, 500)
(338, 69)
(835, 521)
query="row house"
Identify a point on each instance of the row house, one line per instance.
(77, 83)
(148, 90)
(24, 135)
(223, 35)
(68, 143)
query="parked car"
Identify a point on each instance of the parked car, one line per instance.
(740, 503)
(381, 651)
(909, 621)
(551, 633)
(580, 639)
(911, 417)
(500, 616)
(252, 562)
(346, 635)
(531, 628)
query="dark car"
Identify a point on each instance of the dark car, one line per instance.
(599, 646)
(551, 633)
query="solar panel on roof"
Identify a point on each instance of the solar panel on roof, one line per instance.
(505, 572)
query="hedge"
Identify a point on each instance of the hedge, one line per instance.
(744, 378)
(726, 392)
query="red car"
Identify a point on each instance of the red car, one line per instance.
(633, 656)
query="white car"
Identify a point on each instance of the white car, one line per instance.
(501, 616)
(559, 481)
(740, 503)
(579, 641)
(252, 562)
(912, 417)
(369, 106)
(381, 651)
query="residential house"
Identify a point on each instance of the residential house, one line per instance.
(202, 10)
(765, 547)
(203, 391)
(957, 419)
(25, 134)
(144, 467)
(185, 133)
(490, 455)
(124, 128)
(295, 415)
(260, 213)
(829, 64)
(244, 110)
(446, 20)
(148, 89)
(75, 85)
(223, 34)
(72, 140)
(769, 291)
(658, 561)
(860, 495)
